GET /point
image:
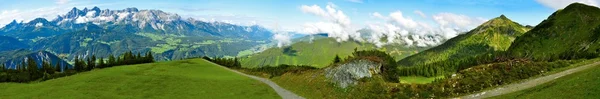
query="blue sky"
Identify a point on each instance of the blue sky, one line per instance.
(289, 15)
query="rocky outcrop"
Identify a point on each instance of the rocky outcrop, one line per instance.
(348, 74)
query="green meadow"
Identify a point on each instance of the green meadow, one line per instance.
(194, 78)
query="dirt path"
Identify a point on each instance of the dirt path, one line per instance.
(526, 84)
(285, 94)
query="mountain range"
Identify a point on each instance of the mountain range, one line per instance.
(105, 32)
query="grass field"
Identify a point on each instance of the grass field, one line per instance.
(418, 79)
(581, 85)
(193, 78)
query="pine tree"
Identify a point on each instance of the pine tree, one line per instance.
(237, 63)
(92, 63)
(32, 68)
(78, 65)
(149, 57)
(22, 66)
(57, 67)
(3, 69)
(138, 57)
(101, 63)
(47, 67)
(111, 61)
(89, 65)
(32, 65)
(336, 59)
(128, 58)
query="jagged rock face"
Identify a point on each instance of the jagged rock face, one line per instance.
(348, 74)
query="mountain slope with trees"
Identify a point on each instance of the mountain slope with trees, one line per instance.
(570, 33)
(495, 35)
(9, 43)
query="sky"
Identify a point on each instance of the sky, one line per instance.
(339, 18)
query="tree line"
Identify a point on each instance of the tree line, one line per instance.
(273, 71)
(29, 70)
(227, 62)
(452, 65)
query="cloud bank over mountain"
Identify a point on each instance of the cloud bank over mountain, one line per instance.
(396, 27)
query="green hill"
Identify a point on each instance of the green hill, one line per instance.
(319, 53)
(494, 35)
(569, 33)
(193, 78)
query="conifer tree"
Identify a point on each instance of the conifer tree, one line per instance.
(47, 67)
(92, 62)
(138, 57)
(88, 65)
(149, 57)
(111, 61)
(101, 63)
(3, 69)
(22, 66)
(336, 59)
(32, 65)
(57, 67)
(78, 64)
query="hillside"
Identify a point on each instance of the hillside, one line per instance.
(175, 79)
(585, 83)
(494, 35)
(9, 43)
(572, 32)
(319, 52)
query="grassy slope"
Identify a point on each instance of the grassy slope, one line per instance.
(494, 35)
(573, 29)
(581, 85)
(176, 79)
(418, 79)
(319, 53)
(312, 84)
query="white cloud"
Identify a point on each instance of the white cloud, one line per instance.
(377, 15)
(450, 23)
(335, 23)
(559, 4)
(406, 22)
(398, 28)
(282, 38)
(329, 13)
(49, 13)
(62, 2)
(420, 13)
(356, 1)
